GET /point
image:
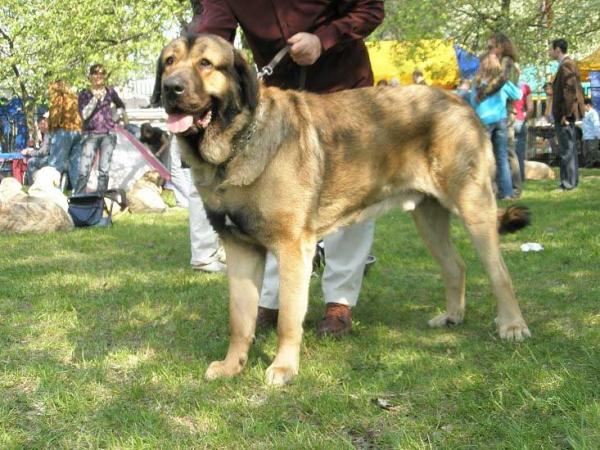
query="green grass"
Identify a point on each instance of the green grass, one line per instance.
(105, 335)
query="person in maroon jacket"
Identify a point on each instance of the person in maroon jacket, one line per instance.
(327, 54)
(567, 107)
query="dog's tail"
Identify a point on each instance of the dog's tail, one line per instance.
(513, 219)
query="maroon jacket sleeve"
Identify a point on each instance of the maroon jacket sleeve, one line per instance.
(357, 20)
(217, 19)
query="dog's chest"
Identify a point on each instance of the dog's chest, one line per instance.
(239, 220)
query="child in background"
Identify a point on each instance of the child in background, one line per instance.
(493, 114)
(591, 135)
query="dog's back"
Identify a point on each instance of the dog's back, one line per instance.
(380, 147)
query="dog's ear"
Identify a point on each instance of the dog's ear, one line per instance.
(155, 100)
(247, 80)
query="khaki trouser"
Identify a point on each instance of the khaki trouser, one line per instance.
(346, 253)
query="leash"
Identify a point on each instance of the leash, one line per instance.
(268, 69)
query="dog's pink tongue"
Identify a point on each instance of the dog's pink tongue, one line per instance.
(178, 123)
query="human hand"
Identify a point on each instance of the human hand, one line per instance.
(306, 48)
(26, 151)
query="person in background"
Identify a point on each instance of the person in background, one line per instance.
(158, 142)
(548, 109)
(326, 45)
(38, 154)
(40, 131)
(417, 77)
(591, 135)
(523, 110)
(567, 107)
(64, 122)
(501, 45)
(98, 130)
(463, 90)
(493, 113)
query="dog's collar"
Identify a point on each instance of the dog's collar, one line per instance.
(244, 139)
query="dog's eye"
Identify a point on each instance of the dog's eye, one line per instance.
(205, 63)
(169, 61)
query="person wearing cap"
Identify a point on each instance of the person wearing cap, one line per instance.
(98, 129)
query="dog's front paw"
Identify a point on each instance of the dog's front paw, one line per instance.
(220, 369)
(516, 331)
(278, 376)
(445, 319)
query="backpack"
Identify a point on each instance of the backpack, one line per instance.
(87, 210)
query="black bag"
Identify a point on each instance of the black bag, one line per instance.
(87, 210)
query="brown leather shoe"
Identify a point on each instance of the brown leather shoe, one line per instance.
(336, 322)
(267, 318)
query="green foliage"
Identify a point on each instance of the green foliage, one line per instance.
(471, 22)
(41, 41)
(105, 335)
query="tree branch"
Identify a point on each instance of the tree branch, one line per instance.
(133, 38)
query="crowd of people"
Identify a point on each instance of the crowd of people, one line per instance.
(499, 76)
(76, 127)
(78, 130)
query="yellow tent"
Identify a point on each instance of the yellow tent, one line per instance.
(435, 57)
(589, 64)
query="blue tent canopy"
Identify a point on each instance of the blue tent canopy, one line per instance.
(13, 124)
(468, 62)
(530, 75)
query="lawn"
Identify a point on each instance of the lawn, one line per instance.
(105, 335)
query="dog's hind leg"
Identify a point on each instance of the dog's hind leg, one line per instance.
(295, 267)
(245, 271)
(480, 219)
(433, 224)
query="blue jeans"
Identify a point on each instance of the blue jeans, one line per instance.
(90, 145)
(65, 146)
(498, 133)
(567, 152)
(521, 145)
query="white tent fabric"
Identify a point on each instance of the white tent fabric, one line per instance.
(130, 161)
